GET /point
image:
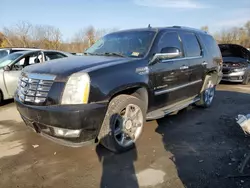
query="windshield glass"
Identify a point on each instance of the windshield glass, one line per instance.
(9, 59)
(128, 44)
(3, 53)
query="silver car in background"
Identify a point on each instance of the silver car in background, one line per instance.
(12, 65)
(236, 63)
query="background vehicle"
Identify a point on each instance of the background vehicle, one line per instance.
(125, 78)
(6, 51)
(236, 63)
(12, 64)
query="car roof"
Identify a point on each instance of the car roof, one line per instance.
(158, 29)
(39, 50)
(25, 52)
(21, 48)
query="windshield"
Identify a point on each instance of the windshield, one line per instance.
(128, 44)
(3, 53)
(9, 59)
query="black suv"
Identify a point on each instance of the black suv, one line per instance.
(125, 78)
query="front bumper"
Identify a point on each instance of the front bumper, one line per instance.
(47, 120)
(234, 76)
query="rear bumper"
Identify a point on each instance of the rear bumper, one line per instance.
(234, 76)
(49, 120)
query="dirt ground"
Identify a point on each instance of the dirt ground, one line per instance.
(195, 148)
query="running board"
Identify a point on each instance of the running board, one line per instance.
(160, 113)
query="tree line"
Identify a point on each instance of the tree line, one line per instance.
(24, 34)
(233, 35)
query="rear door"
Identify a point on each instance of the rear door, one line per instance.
(170, 76)
(197, 62)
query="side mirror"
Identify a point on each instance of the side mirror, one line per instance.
(170, 52)
(7, 68)
(166, 53)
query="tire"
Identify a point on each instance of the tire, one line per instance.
(114, 119)
(1, 98)
(246, 80)
(207, 94)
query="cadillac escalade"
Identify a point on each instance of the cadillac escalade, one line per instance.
(124, 79)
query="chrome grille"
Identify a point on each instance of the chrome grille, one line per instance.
(34, 88)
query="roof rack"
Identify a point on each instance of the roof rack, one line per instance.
(191, 28)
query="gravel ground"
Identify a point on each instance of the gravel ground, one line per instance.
(195, 148)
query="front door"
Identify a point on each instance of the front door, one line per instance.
(169, 76)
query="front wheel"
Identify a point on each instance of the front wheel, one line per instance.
(207, 94)
(123, 123)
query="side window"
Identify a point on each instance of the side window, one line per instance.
(170, 39)
(192, 46)
(53, 55)
(211, 45)
(29, 60)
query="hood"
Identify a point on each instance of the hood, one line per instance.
(234, 50)
(66, 66)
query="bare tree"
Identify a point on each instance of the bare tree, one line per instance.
(205, 28)
(18, 35)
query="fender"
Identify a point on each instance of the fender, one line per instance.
(109, 81)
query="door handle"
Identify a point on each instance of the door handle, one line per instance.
(184, 67)
(204, 63)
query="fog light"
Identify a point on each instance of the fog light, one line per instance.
(67, 132)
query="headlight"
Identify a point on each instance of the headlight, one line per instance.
(239, 70)
(77, 89)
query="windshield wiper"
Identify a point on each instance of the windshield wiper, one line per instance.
(105, 54)
(87, 53)
(113, 54)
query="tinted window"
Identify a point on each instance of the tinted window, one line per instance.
(170, 39)
(53, 55)
(192, 46)
(211, 45)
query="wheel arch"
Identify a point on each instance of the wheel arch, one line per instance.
(214, 76)
(140, 91)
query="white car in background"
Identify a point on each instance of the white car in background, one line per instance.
(12, 65)
(6, 51)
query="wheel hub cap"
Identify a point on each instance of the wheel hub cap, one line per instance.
(128, 124)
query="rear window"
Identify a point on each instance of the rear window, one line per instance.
(211, 45)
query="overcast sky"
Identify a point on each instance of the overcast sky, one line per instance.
(72, 15)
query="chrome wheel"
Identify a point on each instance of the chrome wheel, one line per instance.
(209, 93)
(128, 125)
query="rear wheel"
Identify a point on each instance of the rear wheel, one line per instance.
(123, 123)
(207, 94)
